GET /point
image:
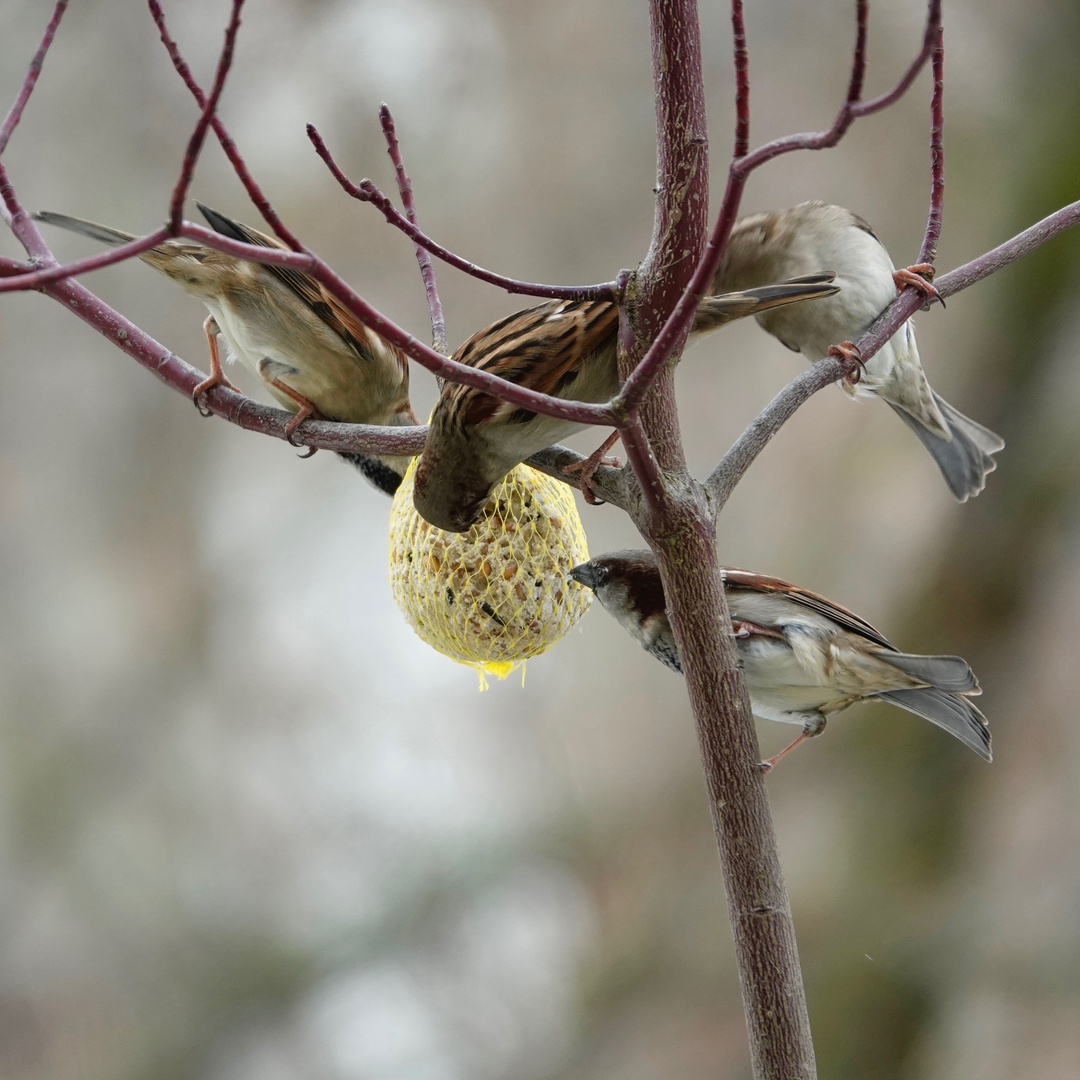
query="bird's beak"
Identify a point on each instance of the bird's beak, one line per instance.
(586, 573)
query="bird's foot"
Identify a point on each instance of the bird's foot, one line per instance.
(589, 466)
(918, 277)
(812, 727)
(846, 350)
(305, 411)
(217, 375)
(215, 379)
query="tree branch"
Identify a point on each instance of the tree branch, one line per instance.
(255, 193)
(367, 192)
(670, 337)
(678, 526)
(198, 136)
(423, 259)
(11, 121)
(722, 480)
(928, 251)
(742, 80)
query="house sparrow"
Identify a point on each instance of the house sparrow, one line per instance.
(313, 355)
(566, 348)
(765, 247)
(803, 657)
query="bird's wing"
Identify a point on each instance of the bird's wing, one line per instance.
(322, 302)
(746, 579)
(543, 348)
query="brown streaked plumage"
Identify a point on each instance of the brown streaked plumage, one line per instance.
(565, 348)
(804, 657)
(312, 354)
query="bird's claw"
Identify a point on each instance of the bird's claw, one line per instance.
(846, 350)
(211, 382)
(290, 430)
(918, 277)
(589, 465)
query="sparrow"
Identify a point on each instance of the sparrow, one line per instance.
(804, 658)
(566, 348)
(310, 352)
(765, 247)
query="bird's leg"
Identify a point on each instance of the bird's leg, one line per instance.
(591, 464)
(812, 727)
(918, 277)
(846, 350)
(217, 376)
(305, 410)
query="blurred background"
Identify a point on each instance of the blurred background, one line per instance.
(252, 828)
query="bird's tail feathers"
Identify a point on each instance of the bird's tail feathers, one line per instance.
(966, 459)
(88, 228)
(717, 311)
(949, 711)
(949, 674)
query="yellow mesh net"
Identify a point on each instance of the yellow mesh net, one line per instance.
(499, 593)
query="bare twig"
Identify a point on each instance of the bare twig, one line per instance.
(255, 193)
(366, 191)
(575, 411)
(11, 121)
(740, 457)
(198, 136)
(742, 80)
(928, 251)
(722, 480)
(423, 259)
(638, 382)
(35, 279)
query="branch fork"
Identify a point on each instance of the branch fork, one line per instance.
(674, 512)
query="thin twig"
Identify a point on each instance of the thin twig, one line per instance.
(21, 224)
(366, 191)
(722, 480)
(640, 379)
(255, 193)
(198, 136)
(423, 259)
(642, 460)
(933, 21)
(928, 251)
(11, 121)
(35, 279)
(742, 80)
(580, 412)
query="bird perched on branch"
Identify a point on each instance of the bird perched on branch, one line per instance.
(804, 658)
(312, 354)
(565, 348)
(766, 247)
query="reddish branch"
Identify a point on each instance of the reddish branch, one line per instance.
(677, 516)
(367, 192)
(673, 333)
(753, 440)
(423, 259)
(255, 193)
(11, 121)
(198, 136)
(928, 251)
(742, 80)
